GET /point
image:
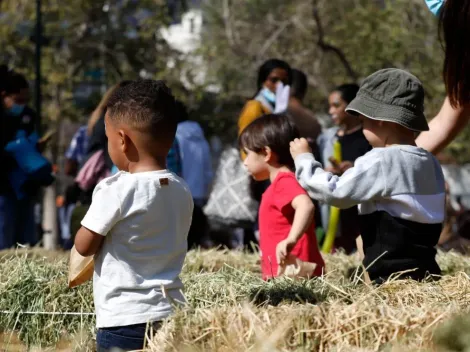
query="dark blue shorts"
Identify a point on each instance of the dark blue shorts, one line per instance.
(123, 338)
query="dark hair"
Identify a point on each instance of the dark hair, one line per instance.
(268, 66)
(147, 106)
(299, 84)
(454, 26)
(182, 112)
(273, 131)
(347, 91)
(15, 83)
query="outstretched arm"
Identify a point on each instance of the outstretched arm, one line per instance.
(363, 182)
(444, 127)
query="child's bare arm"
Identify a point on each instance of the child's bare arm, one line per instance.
(304, 213)
(87, 242)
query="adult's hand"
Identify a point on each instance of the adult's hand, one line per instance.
(444, 127)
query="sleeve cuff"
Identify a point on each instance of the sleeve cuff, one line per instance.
(94, 226)
(302, 158)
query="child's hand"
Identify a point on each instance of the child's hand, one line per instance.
(299, 146)
(283, 249)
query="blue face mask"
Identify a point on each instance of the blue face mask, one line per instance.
(269, 96)
(16, 109)
(435, 6)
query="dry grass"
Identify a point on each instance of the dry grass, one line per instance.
(231, 309)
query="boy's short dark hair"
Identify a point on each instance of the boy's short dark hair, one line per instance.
(147, 106)
(275, 131)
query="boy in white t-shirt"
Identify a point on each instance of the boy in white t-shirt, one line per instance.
(138, 221)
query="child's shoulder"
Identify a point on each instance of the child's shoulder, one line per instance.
(406, 154)
(113, 181)
(287, 182)
(285, 177)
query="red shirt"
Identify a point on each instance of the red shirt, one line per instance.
(276, 215)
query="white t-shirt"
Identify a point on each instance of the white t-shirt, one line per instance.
(145, 218)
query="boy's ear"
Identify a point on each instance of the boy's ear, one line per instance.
(124, 141)
(268, 154)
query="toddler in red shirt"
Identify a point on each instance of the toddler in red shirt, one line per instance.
(287, 232)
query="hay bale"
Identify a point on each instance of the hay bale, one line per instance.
(394, 315)
(231, 309)
(33, 296)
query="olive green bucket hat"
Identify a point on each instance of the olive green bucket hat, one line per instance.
(391, 95)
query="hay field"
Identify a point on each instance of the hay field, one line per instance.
(231, 309)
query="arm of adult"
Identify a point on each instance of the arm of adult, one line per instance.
(444, 127)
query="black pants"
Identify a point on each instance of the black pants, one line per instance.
(198, 227)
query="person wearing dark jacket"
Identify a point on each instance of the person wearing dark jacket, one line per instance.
(17, 221)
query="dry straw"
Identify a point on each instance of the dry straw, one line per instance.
(231, 309)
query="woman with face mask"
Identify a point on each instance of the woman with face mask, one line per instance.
(270, 75)
(17, 223)
(454, 24)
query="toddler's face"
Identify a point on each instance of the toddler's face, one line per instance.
(116, 145)
(256, 165)
(373, 131)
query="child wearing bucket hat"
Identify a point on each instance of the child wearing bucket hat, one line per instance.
(399, 187)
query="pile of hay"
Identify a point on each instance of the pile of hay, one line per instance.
(231, 309)
(35, 301)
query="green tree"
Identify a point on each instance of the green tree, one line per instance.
(83, 38)
(333, 41)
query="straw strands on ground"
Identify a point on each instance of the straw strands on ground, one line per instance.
(231, 309)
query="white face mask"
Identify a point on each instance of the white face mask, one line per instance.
(269, 96)
(435, 6)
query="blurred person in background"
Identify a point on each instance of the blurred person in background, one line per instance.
(75, 157)
(348, 132)
(305, 120)
(270, 74)
(196, 170)
(18, 123)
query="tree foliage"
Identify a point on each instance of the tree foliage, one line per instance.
(333, 41)
(84, 41)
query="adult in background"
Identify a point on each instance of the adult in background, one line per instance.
(348, 132)
(270, 74)
(17, 220)
(454, 24)
(196, 162)
(75, 156)
(305, 120)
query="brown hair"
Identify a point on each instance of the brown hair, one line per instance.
(273, 131)
(454, 27)
(101, 108)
